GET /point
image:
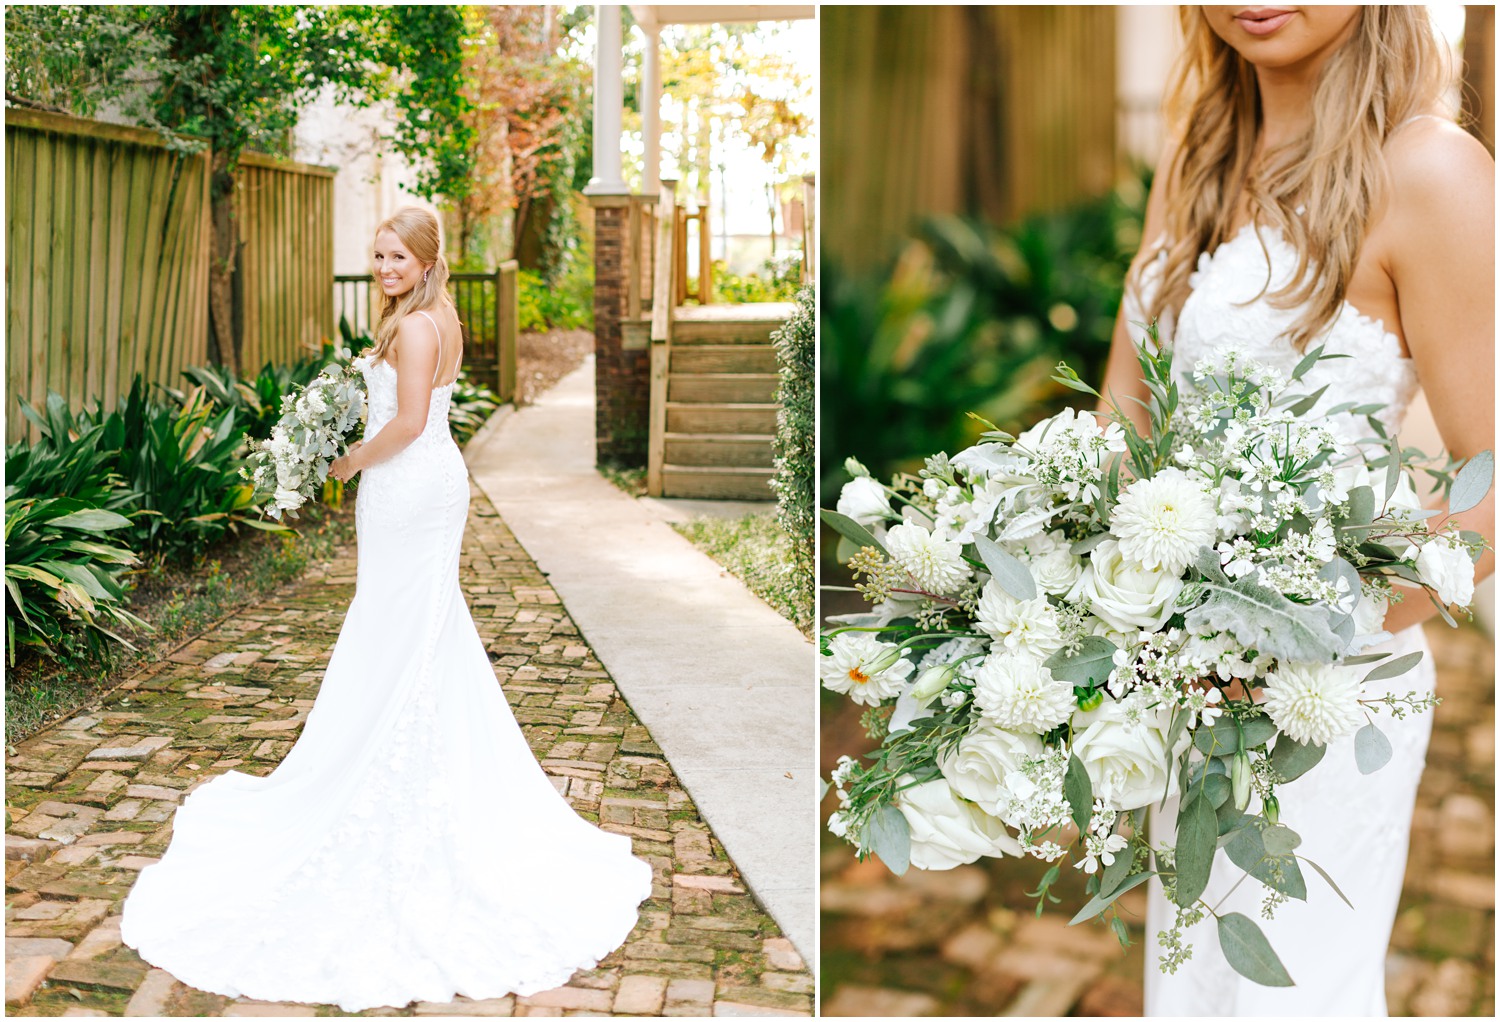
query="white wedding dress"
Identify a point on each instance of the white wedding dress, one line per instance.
(1356, 827)
(409, 847)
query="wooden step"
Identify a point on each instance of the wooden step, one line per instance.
(731, 388)
(742, 450)
(720, 418)
(716, 483)
(723, 358)
(723, 331)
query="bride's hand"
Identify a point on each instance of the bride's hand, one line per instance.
(343, 469)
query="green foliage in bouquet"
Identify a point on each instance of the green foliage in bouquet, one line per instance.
(1200, 590)
(970, 317)
(793, 448)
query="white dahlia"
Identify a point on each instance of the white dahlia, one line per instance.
(863, 668)
(1018, 626)
(1015, 692)
(935, 564)
(1313, 703)
(1163, 522)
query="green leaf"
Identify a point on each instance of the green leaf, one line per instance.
(1090, 665)
(1249, 953)
(1217, 789)
(1197, 839)
(97, 520)
(1472, 482)
(889, 836)
(1372, 750)
(1279, 840)
(1261, 618)
(1395, 668)
(823, 789)
(1361, 509)
(1101, 901)
(1079, 791)
(1307, 362)
(1305, 405)
(1247, 850)
(850, 529)
(1291, 759)
(1012, 576)
(1115, 873)
(1327, 879)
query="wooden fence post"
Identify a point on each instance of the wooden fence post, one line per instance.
(507, 327)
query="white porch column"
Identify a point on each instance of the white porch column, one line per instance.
(651, 110)
(609, 99)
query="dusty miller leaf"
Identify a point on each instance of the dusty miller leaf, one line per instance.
(1260, 618)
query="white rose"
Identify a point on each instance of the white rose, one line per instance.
(865, 501)
(1126, 596)
(1448, 570)
(1349, 477)
(1122, 744)
(946, 831)
(1054, 566)
(978, 768)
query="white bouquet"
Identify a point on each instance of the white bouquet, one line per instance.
(315, 424)
(1079, 622)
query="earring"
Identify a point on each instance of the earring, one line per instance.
(424, 275)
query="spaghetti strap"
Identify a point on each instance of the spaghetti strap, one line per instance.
(439, 369)
(1418, 117)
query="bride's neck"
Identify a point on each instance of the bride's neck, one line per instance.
(1285, 106)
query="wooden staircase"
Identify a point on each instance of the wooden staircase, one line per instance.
(719, 415)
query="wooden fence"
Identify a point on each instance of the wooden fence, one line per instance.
(488, 306)
(106, 270)
(286, 259)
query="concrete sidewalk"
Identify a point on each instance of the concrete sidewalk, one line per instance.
(723, 683)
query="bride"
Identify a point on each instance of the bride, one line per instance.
(1316, 195)
(409, 847)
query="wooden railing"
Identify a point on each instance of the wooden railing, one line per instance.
(641, 255)
(809, 229)
(488, 306)
(663, 305)
(702, 289)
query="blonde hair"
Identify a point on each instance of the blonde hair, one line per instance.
(1391, 68)
(419, 232)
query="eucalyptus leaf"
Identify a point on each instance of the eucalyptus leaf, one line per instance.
(1472, 482)
(1305, 405)
(1091, 664)
(1115, 872)
(1364, 658)
(1249, 953)
(1280, 840)
(1395, 668)
(823, 788)
(850, 529)
(1361, 508)
(1012, 576)
(1197, 839)
(1291, 758)
(1101, 901)
(1327, 879)
(1217, 789)
(1263, 619)
(1372, 750)
(1088, 543)
(1307, 362)
(889, 836)
(1079, 791)
(1247, 850)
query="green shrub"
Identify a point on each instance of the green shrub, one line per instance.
(470, 407)
(778, 281)
(796, 435)
(970, 318)
(182, 461)
(566, 304)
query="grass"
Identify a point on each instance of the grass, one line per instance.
(179, 601)
(754, 550)
(629, 478)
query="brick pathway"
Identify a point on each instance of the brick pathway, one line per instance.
(90, 802)
(966, 942)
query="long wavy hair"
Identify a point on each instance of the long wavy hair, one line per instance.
(1391, 68)
(419, 231)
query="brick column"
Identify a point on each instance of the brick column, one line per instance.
(622, 377)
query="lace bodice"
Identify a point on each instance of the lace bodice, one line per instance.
(1213, 318)
(380, 383)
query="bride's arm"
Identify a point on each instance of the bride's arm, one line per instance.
(1122, 373)
(1443, 265)
(416, 363)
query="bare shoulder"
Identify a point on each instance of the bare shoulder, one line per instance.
(1439, 174)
